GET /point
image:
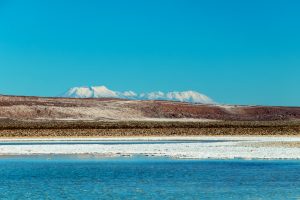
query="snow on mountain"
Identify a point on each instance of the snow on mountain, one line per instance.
(90, 92)
(186, 96)
(104, 92)
(97, 92)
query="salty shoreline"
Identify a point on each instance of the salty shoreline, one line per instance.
(182, 140)
(206, 147)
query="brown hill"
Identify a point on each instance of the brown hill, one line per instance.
(39, 108)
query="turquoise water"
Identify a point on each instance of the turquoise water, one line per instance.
(146, 178)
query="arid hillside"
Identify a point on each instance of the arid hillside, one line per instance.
(38, 108)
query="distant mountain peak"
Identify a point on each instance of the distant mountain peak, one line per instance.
(104, 92)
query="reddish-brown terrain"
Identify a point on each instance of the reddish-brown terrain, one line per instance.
(39, 108)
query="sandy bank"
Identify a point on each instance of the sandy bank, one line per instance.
(184, 148)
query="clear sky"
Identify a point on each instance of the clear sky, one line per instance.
(236, 52)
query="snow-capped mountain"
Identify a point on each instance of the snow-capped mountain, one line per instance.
(104, 92)
(90, 92)
(186, 96)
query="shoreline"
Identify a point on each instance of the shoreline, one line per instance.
(200, 148)
(180, 140)
(102, 157)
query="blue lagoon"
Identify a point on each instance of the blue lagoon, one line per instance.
(88, 177)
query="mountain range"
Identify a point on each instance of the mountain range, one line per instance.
(102, 104)
(104, 92)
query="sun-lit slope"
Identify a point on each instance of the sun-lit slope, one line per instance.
(119, 109)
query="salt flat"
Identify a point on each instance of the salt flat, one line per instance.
(181, 147)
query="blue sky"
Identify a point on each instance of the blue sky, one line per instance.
(236, 52)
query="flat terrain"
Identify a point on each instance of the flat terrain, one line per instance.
(204, 147)
(14, 128)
